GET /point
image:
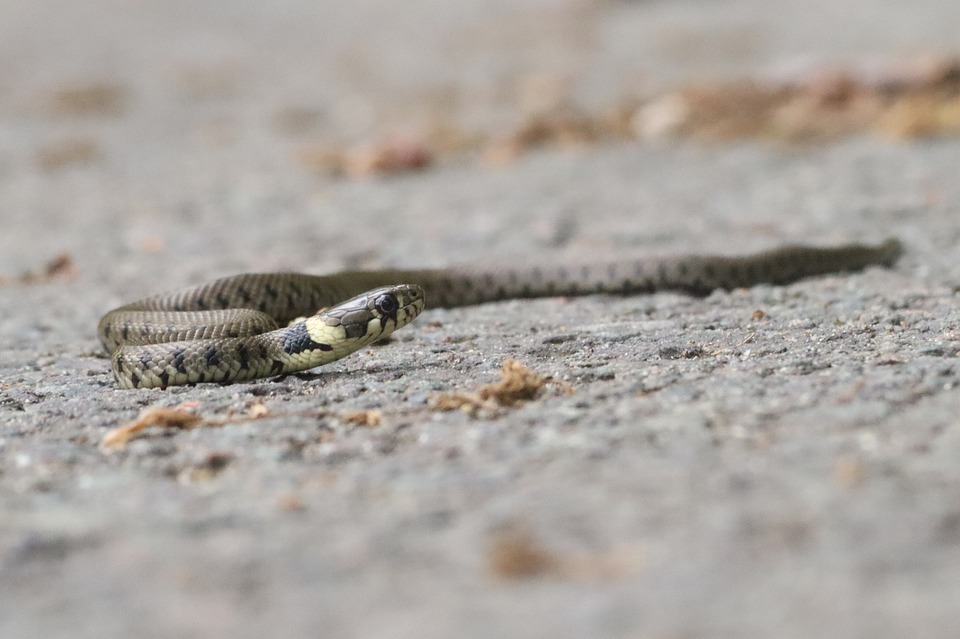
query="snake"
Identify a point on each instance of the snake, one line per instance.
(257, 325)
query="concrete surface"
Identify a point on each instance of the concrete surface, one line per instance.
(712, 474)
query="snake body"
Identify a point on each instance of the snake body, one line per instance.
(239, 327)
(235, 344)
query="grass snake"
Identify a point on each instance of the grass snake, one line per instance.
(264, 324)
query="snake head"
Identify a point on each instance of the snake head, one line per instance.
(376, 313)
(399, 304)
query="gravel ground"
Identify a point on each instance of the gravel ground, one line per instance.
(714, 471)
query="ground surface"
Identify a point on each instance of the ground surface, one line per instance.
(713, 473)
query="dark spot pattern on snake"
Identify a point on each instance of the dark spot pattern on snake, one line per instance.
(177, 359)
(297, 340)
(243, 357)
(212, 356)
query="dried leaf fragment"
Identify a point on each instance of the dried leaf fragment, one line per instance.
(518, 556)
(158, 416)
(99, 99)
(70, 152)
(394, 155)
(365, 418)
(517, 384)
(290, 502)
(61, 266)
(207, 468)
(257, 410)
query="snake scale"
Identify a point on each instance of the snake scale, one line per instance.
(251, 326)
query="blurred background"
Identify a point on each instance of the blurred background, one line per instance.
(141, 119)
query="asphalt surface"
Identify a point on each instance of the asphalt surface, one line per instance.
(696, 469)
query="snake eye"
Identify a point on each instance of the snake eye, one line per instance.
(387, 304)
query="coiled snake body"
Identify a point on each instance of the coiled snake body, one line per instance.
(239, 327)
